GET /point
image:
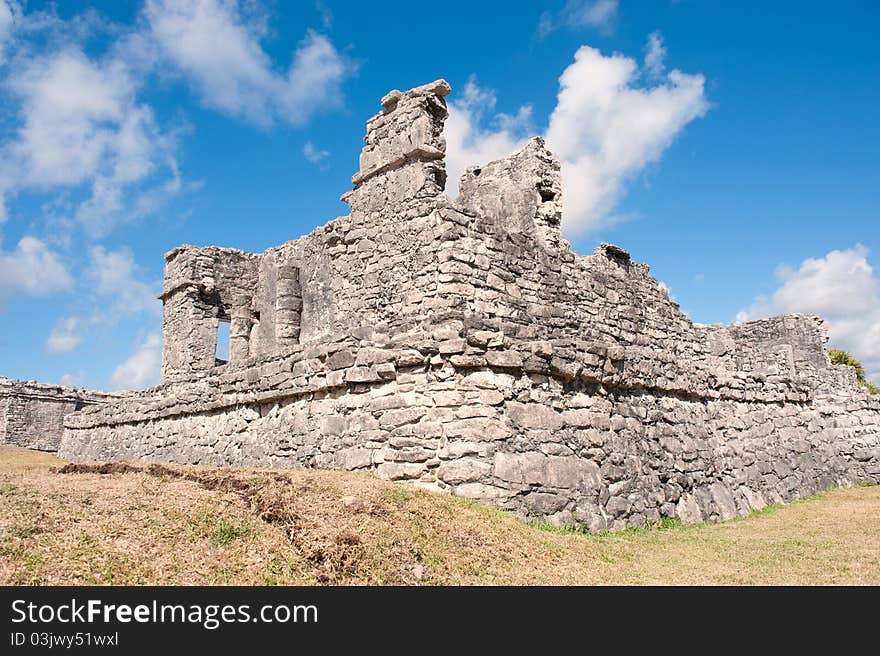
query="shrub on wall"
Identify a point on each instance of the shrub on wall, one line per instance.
(842, 357)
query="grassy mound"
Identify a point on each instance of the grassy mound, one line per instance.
(156, 524)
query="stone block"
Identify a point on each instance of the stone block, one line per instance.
(504, 359)
(463, 470)
(533, 416)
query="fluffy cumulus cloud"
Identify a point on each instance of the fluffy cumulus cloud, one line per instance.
(600, 14)
(115, 278)
(117, 292)
(841, 287)
(83, 127)
(65, 336)
(219, 50)
(142, 368)
(32, 269)
(606, 127)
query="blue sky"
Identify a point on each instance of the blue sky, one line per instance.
(732, 146)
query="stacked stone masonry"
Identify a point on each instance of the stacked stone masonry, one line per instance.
(463, 345)
(32, 414)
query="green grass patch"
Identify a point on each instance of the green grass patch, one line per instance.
(218, 529)
(663, 524)
(24, 532)
(8, 489)
(397, 496)
(226, 532)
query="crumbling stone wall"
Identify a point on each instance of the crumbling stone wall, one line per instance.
(32, 414)
(463, 345)
(203, 286)
(606, 448)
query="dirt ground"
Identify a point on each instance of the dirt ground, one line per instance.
(152, 524)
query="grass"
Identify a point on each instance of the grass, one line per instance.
(194, 525)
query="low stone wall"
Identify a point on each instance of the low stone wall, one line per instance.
(578, 433)
(32, 414)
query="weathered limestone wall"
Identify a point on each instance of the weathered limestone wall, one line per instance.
(602, 449)
(366, 271)
(463, 345)
(32, 414)
(4, 405)
(203, 286)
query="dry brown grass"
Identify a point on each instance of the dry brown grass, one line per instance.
(192, 525)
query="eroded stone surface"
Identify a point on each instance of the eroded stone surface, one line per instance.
(462, 344)
(32, 414)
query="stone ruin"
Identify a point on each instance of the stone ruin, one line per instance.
(32, 414)
(461, 344)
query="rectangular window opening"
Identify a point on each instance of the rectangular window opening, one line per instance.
(221, 356)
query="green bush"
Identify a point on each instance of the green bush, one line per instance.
(842, 357)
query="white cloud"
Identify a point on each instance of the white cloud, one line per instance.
(8, 14)
(114, 276)
(67, 103)
(601, 14)
(655, 53)
(840, 287)
(65, 336)
(117, 294)
(142, 368)
(325, 13)
(313, 154)
(32, 269)
(74, 379)
(605, 128)
(214, 44)
(82, 125)
(665, 288)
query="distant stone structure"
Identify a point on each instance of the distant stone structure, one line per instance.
(32, 414)
(463, 345)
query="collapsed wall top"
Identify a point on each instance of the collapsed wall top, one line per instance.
(403, 158)
(519, 194)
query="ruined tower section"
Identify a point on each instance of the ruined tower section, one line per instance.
(204, 287)
(402, 162)
(521, 194)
